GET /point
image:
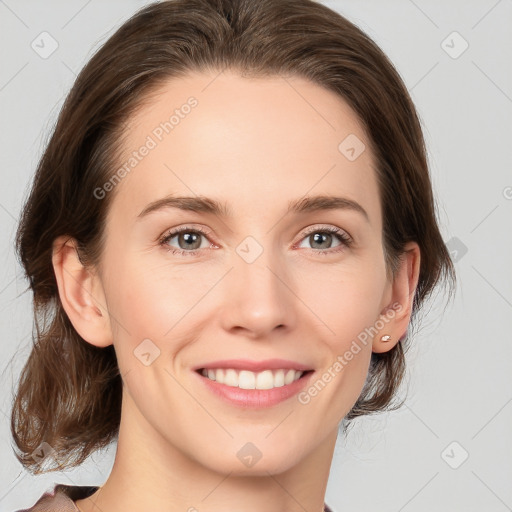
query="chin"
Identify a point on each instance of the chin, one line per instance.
(252, 459)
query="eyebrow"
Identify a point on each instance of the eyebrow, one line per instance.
(220, 209)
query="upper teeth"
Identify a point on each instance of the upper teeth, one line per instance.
(245, 379)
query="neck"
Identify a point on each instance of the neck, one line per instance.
(149, 473)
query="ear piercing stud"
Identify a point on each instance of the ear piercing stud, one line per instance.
(386, 337)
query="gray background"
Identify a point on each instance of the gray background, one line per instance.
(459, 383)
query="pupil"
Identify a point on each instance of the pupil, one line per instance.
(319, 237)
(190, 239)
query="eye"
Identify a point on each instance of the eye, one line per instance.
(322, 239)
(188, 239)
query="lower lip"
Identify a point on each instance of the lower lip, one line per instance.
(255, 398)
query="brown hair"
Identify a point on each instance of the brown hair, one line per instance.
(69, 392)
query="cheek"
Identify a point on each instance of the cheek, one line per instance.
(158, 298)
(347, 303)
(346, 298)
(150, 296)
(347, 309)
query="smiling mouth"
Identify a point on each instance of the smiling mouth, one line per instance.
(245, 379)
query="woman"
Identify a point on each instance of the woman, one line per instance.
(228, 237)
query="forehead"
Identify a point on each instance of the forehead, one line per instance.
(253, 142)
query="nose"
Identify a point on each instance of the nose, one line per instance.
(258, 298)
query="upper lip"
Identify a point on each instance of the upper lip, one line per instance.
(255, 366)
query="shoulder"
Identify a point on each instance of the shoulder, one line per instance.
(61, 498)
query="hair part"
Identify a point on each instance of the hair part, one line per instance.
(69, 393)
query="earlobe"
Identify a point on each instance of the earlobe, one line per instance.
(81, 294)
(397, 314)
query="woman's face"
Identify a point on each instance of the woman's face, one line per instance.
(262, 278)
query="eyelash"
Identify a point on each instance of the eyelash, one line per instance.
(345, 240)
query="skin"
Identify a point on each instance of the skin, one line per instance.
(255, 144)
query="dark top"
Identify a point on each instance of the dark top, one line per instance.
(62, 499)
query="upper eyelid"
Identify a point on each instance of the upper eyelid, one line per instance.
(326, 227)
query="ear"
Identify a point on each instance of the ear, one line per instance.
(81, 293)
(400, 296)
